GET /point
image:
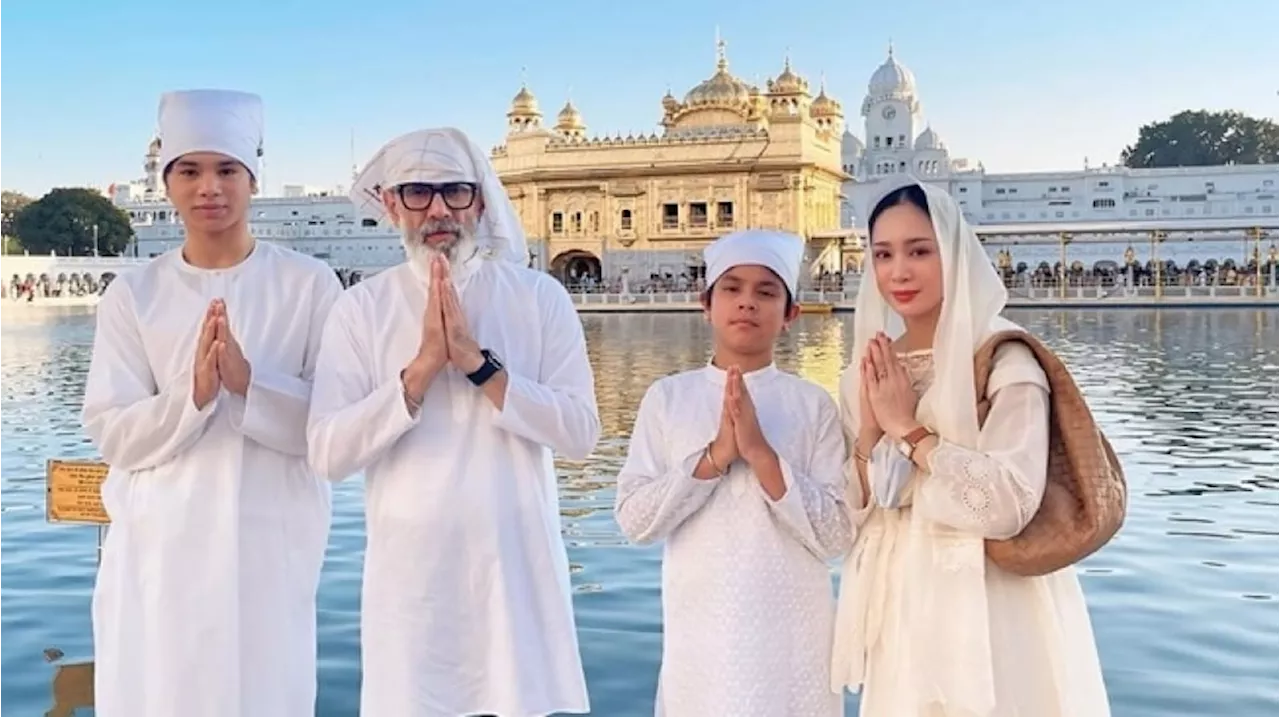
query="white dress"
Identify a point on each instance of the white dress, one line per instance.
(1044, 660)
(205, 599)
(466, 606)
(747, 597)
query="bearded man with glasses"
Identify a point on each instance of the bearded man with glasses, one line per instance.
(450, 381)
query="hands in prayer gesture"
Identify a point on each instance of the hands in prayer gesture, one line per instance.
(205, 380)
(740, 435)
(464, 352)
(445, 336)
(888, 403)
(751, 442)
(219, 360)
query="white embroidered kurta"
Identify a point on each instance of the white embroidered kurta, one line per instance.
(466, 600)
(1045, 662)
(747, 596)
(205, 599)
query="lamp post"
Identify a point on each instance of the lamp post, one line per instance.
(1064, 239)
(1157, 237)
(1256, 234)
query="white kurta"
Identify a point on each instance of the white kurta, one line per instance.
(1044, 660)
(747, 599)
(205, 599)
(466, 603)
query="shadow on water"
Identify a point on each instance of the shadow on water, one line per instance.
(1188, 397)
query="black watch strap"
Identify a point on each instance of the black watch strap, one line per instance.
(486, 371)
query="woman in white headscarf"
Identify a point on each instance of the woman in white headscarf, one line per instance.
(926, 625)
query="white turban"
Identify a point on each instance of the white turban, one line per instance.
(443, 155)
(778, 251)
(222, 121)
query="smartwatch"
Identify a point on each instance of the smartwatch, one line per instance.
(486, 371)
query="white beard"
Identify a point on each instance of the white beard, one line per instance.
(419, 253)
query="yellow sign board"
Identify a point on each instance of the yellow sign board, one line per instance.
(73, 492)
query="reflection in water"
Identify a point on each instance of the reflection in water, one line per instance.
(1188, 397)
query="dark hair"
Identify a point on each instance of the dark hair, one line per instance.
(706, 294)
(911, 194)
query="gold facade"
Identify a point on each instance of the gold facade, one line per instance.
(730, 156)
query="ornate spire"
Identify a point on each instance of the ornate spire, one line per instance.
(722, 61)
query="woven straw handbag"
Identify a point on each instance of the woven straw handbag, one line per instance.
(1085, 496)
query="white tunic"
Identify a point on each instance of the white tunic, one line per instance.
(1044, 659)
(205, 599)
(466, 604)
(747, 598)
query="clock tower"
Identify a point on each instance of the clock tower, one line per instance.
(892, 114)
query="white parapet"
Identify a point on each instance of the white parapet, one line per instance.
(52, 265)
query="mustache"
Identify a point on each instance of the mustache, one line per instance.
(436, 226)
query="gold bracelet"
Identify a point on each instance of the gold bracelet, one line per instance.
(404, 391)
(859, 457)
(710, 459)
(414, 406)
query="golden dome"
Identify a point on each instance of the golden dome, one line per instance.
(524, 102)
(788, 82)
(824, 106)
(569, 117)
(721, 88)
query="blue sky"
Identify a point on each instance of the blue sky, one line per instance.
(1018, 85)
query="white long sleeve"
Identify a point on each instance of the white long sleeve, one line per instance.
(813, 507)
(653, 496)
(274, 410)
(353, 421)
(993, 491)
(136, 424)
(558, 407)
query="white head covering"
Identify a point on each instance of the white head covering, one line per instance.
(778, 251)
(443, 155)
(223, 121)
(973, 295)
(947, 602)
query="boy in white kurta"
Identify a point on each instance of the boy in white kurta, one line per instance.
(197, 397)
(739, 468)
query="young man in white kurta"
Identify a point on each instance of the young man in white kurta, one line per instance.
(205, 599)
(747, 596)
(466, 604)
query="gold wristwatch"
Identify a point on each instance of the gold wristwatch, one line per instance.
(907, 446)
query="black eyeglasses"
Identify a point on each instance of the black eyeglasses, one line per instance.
(456, 195)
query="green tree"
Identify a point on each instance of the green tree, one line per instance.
(63, 221)
(1200, 138)
(10, 204)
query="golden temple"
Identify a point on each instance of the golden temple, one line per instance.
(729, 156)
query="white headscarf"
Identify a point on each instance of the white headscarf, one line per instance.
(947, 601)
(444, 155)
(780, 252)
(973, 295)
(222, 121)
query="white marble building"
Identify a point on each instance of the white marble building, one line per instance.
(897, 139)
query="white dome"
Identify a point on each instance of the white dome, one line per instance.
(891, 78)
(929, 139)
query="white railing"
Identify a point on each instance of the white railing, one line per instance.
(1096, 295)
